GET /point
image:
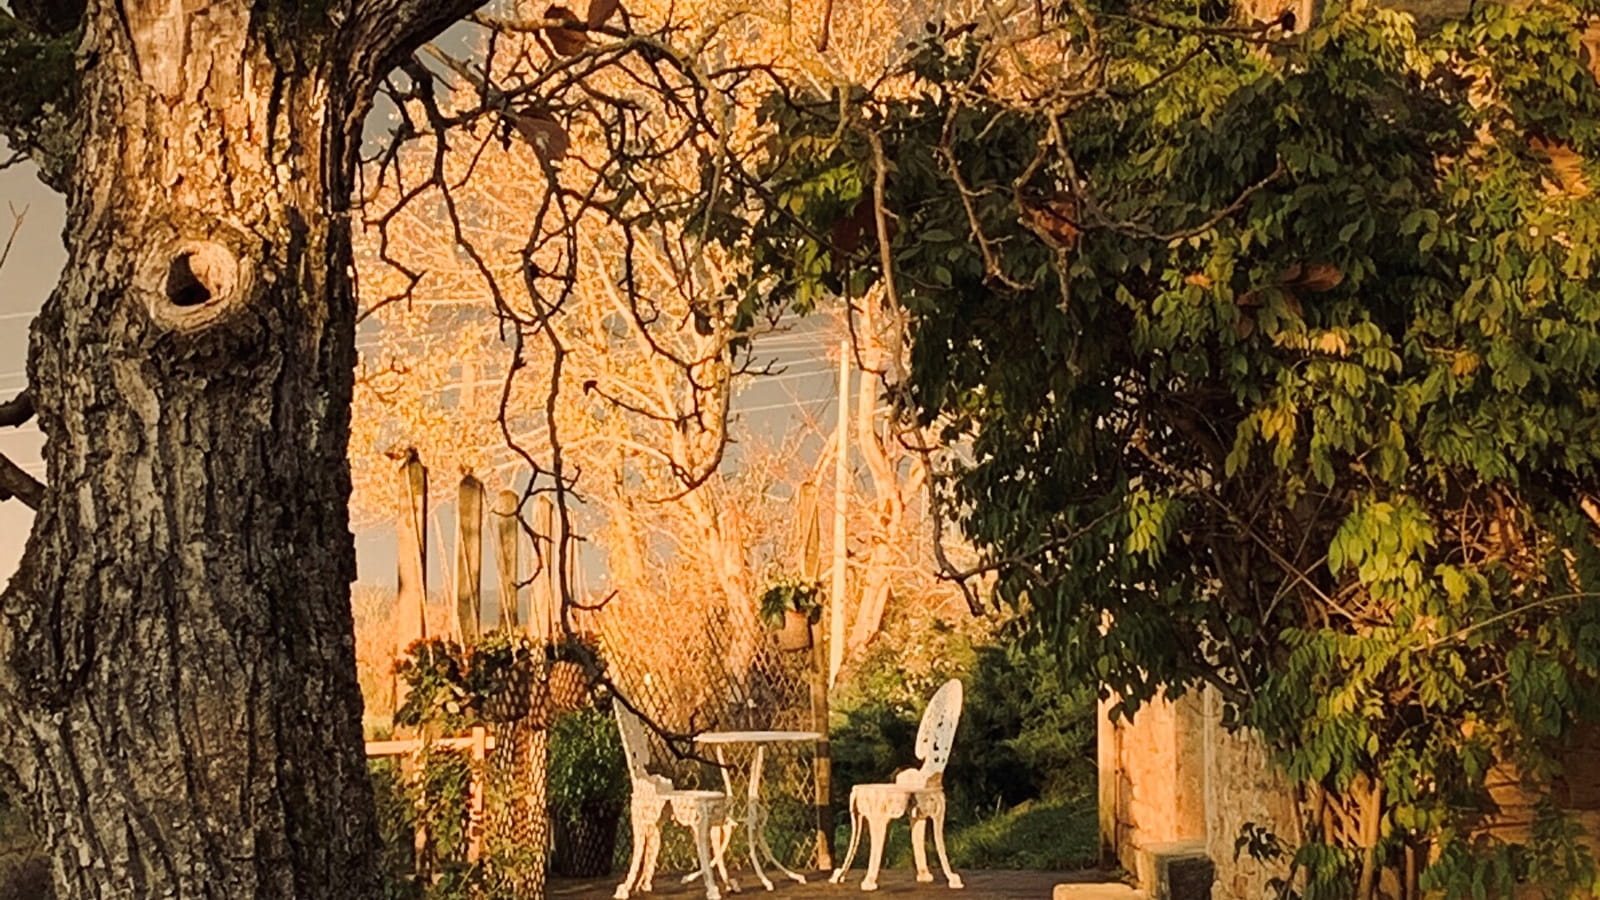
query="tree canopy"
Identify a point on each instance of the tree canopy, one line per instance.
(1271, 360)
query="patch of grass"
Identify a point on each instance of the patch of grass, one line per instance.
(1039, 835)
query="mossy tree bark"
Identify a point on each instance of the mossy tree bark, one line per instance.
(178, 700)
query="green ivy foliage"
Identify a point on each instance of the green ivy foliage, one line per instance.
(1274, 365)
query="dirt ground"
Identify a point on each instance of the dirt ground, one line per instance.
(901, 883)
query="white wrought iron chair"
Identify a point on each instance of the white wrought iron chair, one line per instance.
(919, 792)
(705, 813)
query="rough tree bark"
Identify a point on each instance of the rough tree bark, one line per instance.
(178, 700)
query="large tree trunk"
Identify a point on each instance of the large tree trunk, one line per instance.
(177, 676)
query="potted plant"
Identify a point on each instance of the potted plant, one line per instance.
(790, 606)
(589, 789)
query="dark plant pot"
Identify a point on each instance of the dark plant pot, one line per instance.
(510, 695)
(569, 686)
(584, 847)
(796, 631)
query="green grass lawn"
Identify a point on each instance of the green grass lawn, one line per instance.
(1042, 835)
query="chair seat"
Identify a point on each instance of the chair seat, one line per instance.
(694, 796)
(895, 800)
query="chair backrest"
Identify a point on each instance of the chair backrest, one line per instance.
(635, 742)
(938, 730)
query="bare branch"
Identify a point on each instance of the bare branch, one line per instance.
(15, 482)
(16, 226)
(17, 410)
(387, 32)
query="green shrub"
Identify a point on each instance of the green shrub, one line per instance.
(1027, 730)
(588, 772)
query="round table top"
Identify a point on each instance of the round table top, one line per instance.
(755, 737)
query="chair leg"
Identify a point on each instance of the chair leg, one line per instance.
(755, 818)
(636, 863)
(652, 850)
(919, 847)
(702, 849)
(938, 843)
(878, 826)
(855, 841)
(721, 837)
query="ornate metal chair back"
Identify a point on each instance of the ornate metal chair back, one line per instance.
(635, 742)
(938, 730)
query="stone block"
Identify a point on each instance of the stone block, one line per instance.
(1105, 891)
(1177, 871)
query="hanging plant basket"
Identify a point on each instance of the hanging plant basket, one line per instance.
(569, 686)
(788, 607)
(500, 669)
(795, 635)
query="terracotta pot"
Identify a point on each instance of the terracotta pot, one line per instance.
(796, 631)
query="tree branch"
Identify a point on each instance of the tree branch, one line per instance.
(389, 31)
(14, 482)
(17, 410)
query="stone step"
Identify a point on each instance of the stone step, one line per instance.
(1104, 891)
(1177, 871)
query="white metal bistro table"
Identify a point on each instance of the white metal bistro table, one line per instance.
(756, 813)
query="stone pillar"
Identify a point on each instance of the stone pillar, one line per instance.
(1152, 781)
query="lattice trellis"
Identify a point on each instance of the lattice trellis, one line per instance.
(516, 827)
(705, 666)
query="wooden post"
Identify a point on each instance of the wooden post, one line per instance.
(411, 564)
(841, 476)
(475, 794)
(412, 594)
(542, 593)
(821, 760)
(507, 542)
(469, 557)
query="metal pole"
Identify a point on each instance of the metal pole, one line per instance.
(841, 476)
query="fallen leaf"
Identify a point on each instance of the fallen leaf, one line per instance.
(601, 11)
(1245, 325)
(543, 133)
(1198, 279)
(1249, 299)
(566, 39)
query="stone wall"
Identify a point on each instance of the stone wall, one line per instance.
(1242, 787)
(1174, 782)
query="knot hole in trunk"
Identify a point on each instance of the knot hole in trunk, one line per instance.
(199, 274)
(193, 283)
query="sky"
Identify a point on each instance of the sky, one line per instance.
(807, 385)
(29, 274)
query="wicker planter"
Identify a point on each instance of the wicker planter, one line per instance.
(509, 697)
(796, 631)
(569, 686)
(585, 846)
